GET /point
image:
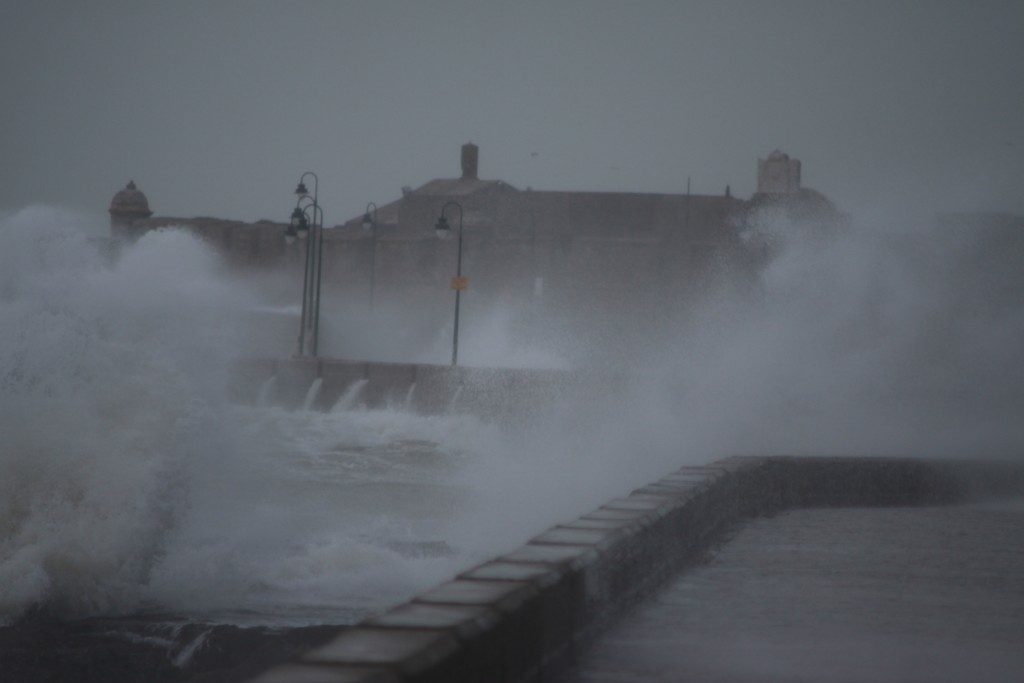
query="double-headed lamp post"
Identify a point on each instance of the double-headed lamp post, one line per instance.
(458, 282)
(370, 225)
(305, 218)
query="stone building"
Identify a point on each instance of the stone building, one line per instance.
(579, 250)
(592, 263)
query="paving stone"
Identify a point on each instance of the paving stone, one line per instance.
(316, 673)
(604, 524)
(465, 621)
(408, 650)
(571, 555)
(513, 571)
(498, 594)
(565, 536)
(621, 514)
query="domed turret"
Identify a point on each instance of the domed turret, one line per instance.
(781, 200)
(128, 206)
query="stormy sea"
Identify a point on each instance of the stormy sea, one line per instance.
(151, 529)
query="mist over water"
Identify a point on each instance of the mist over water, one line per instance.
(129, 484)
(880, 337)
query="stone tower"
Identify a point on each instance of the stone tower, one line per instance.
(128, 206)
(778, 174)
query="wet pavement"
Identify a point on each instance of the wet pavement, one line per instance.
(40, 649)
(852, 595)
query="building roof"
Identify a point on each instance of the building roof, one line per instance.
(602, 215)
(130, 200)
(454, 187)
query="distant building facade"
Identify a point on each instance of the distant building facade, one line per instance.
(582, 252)
(585, 260)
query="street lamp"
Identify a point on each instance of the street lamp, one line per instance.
(298, 227)
(442, 229)
(305, 218)
(370, 225)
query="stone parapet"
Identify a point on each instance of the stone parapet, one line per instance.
(525, 615)
(427, 389)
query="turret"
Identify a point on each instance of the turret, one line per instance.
(127, 208)
(778, 174)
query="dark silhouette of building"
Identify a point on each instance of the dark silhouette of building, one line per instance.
(596, 262)
(588, 248)
(128, 207)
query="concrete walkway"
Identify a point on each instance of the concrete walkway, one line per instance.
(851, 594)
(835, 595)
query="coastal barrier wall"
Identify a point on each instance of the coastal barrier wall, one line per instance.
(524, 616)
(427, 389)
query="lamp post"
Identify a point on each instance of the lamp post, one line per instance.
(305, 219)
(442, 229)
(370, 225)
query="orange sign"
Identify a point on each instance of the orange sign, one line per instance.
(460, 282)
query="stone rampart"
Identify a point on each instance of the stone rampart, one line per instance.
(525, 615)
(427, 389)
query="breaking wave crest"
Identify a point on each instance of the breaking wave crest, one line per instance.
(129, 485)
(111, 378)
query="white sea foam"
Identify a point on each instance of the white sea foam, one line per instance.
(126, 480)
(127, 483)
(111, 383)
(350, 510)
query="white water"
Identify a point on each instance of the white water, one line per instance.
(334, 514)
(312, 393)
(128, 484)
(350, 397)
(112, 379)
(454, 402)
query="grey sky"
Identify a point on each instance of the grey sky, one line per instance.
(216, 108)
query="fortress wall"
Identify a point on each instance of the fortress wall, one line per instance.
(389, 383)
(338, 377)
(430, 389)
(523, 616)
(294, 378)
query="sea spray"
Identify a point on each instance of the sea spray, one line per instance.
(362, 513)
(112, 379)
(128, 485)
(351, 396)
(870, 338)
(311, 394)
(154, 495)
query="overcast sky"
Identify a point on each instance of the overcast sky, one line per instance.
(216, 107)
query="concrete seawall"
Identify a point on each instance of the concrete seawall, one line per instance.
(524, 616)
(426, 389)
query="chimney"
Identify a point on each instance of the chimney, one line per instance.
(470, 153)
